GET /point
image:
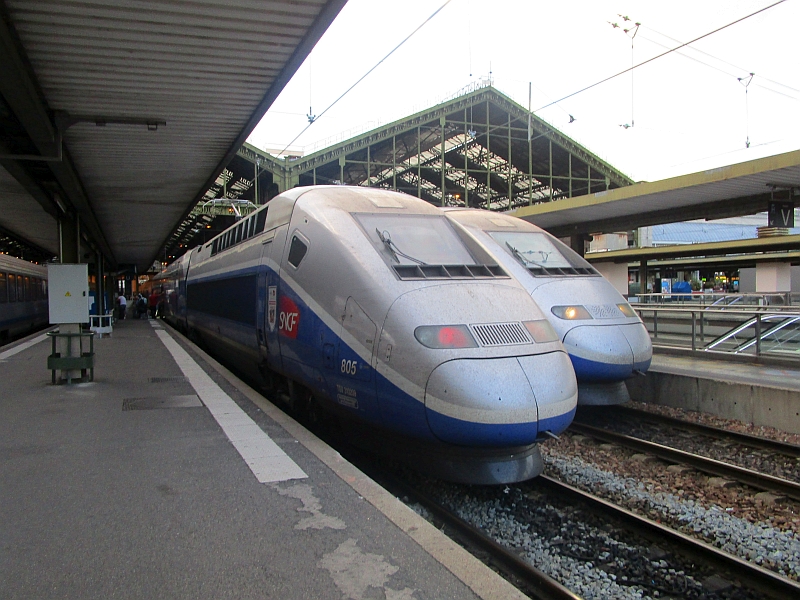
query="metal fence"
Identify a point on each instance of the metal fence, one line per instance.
(755, 331)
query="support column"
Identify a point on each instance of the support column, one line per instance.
(444, 179)
(69, 239)
(773, 277)
(578, 243)
(643, 277)
(100, 287)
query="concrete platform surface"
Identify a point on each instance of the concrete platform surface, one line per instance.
(759, 394)
(783, 378)
(167, 477)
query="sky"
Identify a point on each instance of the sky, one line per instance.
(689, 110)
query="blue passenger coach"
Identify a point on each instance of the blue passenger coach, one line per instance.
(23, 297)
(371, 306)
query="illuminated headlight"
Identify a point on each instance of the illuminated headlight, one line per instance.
(626, 309)
(445, 336)
(541, 331)
(571, 313)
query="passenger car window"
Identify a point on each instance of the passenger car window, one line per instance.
(3, 288)
(297, 251)
(261, 218)
(12, 287)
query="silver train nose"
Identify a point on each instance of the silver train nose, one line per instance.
(501, 401)
(608, 352)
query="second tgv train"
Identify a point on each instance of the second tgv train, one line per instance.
(23, 297)
(373, 306)
(606, 340)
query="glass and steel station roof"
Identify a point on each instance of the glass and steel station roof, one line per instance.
(472, 150)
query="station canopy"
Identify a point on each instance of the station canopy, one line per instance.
(116, 117)
(479, 149)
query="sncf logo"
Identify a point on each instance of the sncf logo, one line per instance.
(289, 318)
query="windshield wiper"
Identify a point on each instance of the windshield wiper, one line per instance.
(386, 238)
(525, 261)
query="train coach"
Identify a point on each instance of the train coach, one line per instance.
(23, 297)
(605, 338)
(370, 307)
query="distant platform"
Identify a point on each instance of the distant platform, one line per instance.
(758, 394)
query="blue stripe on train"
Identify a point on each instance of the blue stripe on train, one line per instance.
(380, 401)
(593, 371)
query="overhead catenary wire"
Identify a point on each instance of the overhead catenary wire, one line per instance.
(745, 81)
(716, 68)
(365, 75)
(649, 60)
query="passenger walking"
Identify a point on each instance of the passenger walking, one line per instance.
(141, 307)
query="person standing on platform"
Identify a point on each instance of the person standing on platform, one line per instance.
(123, 305)
(141, 307)
(152, 303)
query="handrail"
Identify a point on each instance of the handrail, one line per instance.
(681, 327)
(763, 311)
(719, 298)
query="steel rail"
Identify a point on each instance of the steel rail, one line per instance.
(536, 582)
(701, 463)
(746, 439)
(752, 575)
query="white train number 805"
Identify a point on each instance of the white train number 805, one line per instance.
(349, 367)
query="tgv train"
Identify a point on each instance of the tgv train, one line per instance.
(23, 297)
(605, 338)
(373, 307)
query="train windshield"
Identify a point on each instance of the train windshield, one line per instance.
(415, 239)
(535, 249)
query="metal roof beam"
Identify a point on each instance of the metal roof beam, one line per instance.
(734, 207)
(21, 92)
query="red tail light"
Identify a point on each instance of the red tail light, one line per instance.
(445, 336)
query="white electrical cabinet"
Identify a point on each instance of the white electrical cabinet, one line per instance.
(68, 293)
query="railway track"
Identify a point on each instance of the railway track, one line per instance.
(751, 581)
(633, 415)
(532, 581)
(759, 578)
(749, 477)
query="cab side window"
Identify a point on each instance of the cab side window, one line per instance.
(297, 251)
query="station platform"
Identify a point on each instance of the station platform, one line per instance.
(764, 395)
(167, 477)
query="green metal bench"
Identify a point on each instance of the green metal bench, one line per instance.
(82, 361)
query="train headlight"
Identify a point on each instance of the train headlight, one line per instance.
(626, 309)
(571, 313)
(445, 336)
(541, 331)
